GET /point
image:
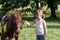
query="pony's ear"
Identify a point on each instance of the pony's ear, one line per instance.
(11, 17)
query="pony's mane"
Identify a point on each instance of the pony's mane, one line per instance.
(14, 20)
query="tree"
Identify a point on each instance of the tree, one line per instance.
(37, 5)
(11, 4)
(53, 6)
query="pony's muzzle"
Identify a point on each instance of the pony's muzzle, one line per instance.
(18, 31)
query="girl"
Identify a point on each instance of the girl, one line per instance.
(41, 28)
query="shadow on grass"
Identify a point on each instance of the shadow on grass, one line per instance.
(53, 20)
(47, 20)
(48, 26)
(53, 26)
(28, 18)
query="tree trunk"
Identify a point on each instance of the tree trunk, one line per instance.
(37, 5)
(53, 15)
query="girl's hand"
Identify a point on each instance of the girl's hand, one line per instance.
(30, 24)
(44, 37)
(27, 23)
(44, 33)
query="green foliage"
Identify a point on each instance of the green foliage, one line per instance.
(11, 4)
(25, 3)
(53, 3)
(8, 5)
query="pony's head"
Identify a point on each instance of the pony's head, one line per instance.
(15, 20)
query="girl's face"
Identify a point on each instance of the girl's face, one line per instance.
(39, 14)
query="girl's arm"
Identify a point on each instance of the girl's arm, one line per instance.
(45, 27)
(30, 24)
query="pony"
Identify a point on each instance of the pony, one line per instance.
(13, 26)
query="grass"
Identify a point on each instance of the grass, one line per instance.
(53, 31)
(53, 26)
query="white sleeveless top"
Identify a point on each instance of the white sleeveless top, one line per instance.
(39, 27)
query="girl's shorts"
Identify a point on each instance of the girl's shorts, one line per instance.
(40, 37)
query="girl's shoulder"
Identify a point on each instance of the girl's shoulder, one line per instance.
(43, 21)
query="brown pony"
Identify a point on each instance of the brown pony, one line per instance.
(13, 26)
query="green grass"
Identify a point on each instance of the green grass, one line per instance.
(53, 32)
(53, 26)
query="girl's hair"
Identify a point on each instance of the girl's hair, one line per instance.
(43, 16)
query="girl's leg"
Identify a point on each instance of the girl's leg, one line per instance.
(40, 37)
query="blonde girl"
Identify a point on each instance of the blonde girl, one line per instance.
(40, 29)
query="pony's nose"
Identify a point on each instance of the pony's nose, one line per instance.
(18, 31)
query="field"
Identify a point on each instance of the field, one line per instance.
(53, 26)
